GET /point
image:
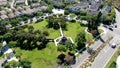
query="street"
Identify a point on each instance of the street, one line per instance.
(107, 52)
(105, 55)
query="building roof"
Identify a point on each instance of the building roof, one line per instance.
(3, 12)
(20, 1)
(4, 16)
(11, 15)
(3, 2)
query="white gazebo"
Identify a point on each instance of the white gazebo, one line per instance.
(118, 62)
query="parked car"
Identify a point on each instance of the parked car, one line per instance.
(111, 29)
(115, 26)
(105, 26)
(113, 45)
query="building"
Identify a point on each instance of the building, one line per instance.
(3, 2)
(82, 6)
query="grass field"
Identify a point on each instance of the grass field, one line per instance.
(113, 59)
(46, 58)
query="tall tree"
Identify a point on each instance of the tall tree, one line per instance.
(80, 40)
(25, 63)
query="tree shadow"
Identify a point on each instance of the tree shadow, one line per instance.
(97, 36)
(101, 39)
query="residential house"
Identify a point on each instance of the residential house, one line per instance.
(11, 15)
(3, 12)
(93, 9)
(20, 2)
(4, 17)
(3, 2)
(80, 6)
(106, 9)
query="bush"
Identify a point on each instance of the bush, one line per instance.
(12, 44)
(62, 48)
(66, 12)
(112, 65)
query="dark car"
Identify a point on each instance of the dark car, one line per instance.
(111, 29)
(105, 26)
(115, 26)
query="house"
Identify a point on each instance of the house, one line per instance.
(70, 1)
(17, 13)
(80, 6)
(93, 9)
(4, 17)
(3, 12)
(20, 1)
(35, 4)
(11, 15)
(3, 2)
(106, 9)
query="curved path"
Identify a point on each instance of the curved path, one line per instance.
(12, 4)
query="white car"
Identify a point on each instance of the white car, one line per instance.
(113, 45)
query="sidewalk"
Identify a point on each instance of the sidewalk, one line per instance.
(85, 55)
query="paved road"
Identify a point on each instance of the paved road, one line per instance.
(85, 55)
(105, 55)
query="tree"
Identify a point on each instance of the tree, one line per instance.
(54, 20)
(69, 45)
(12, 44)
(113, 64)
(39, 13)
(62, 48)
(46, 33)
(61, 57)
(7, 37)
(4, 22)
(67, 12)
(49, 10)
(3, 30)
(14, 22)
(30, 29)
(12, 64)
(24, 63)
(80, 40)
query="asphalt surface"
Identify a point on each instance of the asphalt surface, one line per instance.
(107, 52)
(104, 55)
(85, 54)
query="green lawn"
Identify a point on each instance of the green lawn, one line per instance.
(46, 58)
(113, 59)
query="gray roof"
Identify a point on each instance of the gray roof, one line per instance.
(20, 1)
(3, 2)
(4, 16)
(2, 12)
(11, 15)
